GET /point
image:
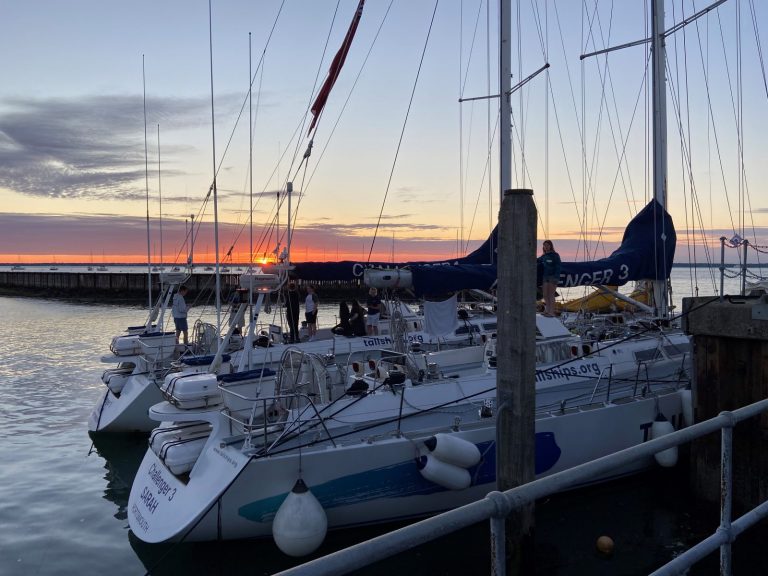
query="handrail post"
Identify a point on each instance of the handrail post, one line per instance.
(726, 492)
(499, 549)
(722, 267)
(502, 509)
(610, 380)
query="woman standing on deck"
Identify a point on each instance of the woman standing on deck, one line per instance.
(550, 262)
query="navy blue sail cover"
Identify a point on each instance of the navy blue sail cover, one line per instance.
(348, 270)
(646, 252)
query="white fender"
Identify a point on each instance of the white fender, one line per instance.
(661, 427)
(300, 524)
(453, 450)
(442, 473)
(686, 398)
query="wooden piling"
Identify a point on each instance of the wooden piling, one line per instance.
(516, 362)
(730, 370)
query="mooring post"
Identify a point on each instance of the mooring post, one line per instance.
(730, 363)
(515, 377)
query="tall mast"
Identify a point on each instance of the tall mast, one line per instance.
(659, 92)
(215, 193)
(160, 195)
(250, 153)
(505, 87)
(146, 185)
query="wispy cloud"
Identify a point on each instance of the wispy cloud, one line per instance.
(88, 147)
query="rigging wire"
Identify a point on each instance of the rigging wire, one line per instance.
(691, 271)
(489, 146)
(710, 115)
(460, 240)
(299, 129)
(465, 161)
(758, 44)
(343, 108)
(623, 157)
(402, 132)
(685, 151)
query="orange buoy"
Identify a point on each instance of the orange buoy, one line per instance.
(605, 545)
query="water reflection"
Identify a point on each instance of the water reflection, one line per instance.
(122, 456)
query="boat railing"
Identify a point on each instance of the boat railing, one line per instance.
(497, 506)
(609, 370)
(643, 365)
(269, 416)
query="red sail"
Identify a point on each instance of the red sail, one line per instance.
(335, 69)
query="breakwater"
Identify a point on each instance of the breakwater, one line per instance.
(130, 283)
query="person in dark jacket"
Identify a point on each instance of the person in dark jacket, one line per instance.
(292, 312)
(343, 328)
(550, 262)
(357, 319)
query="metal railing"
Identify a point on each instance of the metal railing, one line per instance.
(496, 506)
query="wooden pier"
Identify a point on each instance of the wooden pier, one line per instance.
(730, 364)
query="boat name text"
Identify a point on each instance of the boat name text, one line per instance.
(594, 278)
(163, 488)
(149, 500)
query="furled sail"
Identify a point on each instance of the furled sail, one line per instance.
(348, 270)
(646, 252)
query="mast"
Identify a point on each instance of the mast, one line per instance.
(250, 154)
(505, 108)
(160, 195)
(215, 194)
(289, 233)
(146, 185)
(659, 94)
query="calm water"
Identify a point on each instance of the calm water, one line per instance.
(62, 501)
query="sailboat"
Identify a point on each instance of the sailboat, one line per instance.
(390, 435)
(137, 356)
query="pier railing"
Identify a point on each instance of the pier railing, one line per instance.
(496, 506)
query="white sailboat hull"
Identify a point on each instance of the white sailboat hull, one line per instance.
(367, 482)
(128, 411)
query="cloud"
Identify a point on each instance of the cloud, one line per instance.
(395, 216)
(364, 228)
(86, 147)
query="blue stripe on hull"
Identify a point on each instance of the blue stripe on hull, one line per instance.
(398, 481)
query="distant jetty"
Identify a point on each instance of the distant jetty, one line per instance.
(129, 283)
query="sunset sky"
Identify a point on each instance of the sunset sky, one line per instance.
(72, 160)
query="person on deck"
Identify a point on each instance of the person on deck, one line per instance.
(179, 311)
(343, 328)
(310, 311)
(550, 262)
(292, 303)
(357, 319)
(374, 309)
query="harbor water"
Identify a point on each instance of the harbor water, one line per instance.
(63, 500)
